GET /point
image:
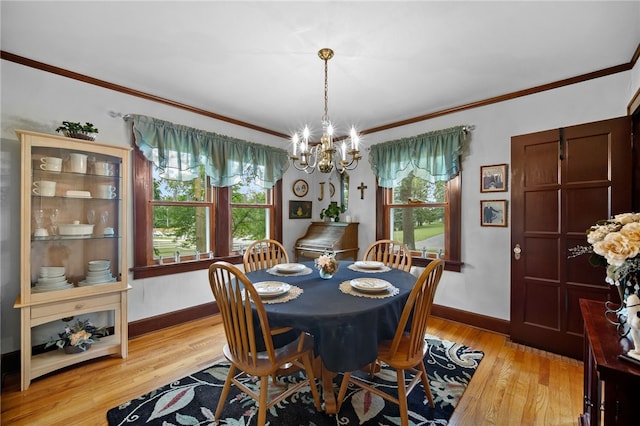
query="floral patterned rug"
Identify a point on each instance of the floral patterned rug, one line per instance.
(192, 400)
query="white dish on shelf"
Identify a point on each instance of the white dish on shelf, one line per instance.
(85, 283)
(368, 264)
(370, 285)
(51, 281)
(289, 268)
(271, 288)
(78, 194)
(39, 289)
(98, 265)
(51, 271)
(75, 229)
(104, 279)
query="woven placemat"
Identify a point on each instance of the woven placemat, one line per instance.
(274, 271)
(346, 288)
(384, 268)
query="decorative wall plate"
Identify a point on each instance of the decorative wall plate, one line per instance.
(300, 188)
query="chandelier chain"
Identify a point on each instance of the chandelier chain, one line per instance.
(325, 118)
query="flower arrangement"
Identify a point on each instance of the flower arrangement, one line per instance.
(615, 244)
(79, 335)
(327, 263)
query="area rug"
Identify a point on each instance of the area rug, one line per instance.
(192, 400)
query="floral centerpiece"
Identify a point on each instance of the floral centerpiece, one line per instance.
(327, 264)
(615, 244)
(77, 337)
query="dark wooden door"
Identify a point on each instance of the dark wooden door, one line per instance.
(563, 181)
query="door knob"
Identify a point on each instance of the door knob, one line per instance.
(516, 252)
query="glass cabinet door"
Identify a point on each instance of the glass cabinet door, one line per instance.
(75, 219)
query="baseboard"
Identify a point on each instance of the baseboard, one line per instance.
(469, 318)
(11, 360)
(158, 322)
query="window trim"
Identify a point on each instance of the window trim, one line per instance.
(453, 224)
(143, 225)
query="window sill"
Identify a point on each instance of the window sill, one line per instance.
(449, 265)
(151, 271)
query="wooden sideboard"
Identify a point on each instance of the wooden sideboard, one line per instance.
(611, 385)
(339, 237)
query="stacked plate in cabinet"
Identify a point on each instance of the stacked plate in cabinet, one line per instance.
(51, 278)
(98, 273)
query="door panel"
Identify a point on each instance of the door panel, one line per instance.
(562, 183)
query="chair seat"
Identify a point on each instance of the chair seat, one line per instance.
(400, 359)
(283, 355)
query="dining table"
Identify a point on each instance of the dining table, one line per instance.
(346, 320)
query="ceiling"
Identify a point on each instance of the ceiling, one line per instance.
(257, 61)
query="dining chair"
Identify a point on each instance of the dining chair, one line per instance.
(245, 322)
(263, 254)
(390, 252)
(408, 348)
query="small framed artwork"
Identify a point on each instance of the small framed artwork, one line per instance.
(493, 213)
(299, 209)
(493, 178)
(300, 188)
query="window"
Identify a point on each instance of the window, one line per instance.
(419, 193)
(425, 217)
(200, 196)
(184, 225)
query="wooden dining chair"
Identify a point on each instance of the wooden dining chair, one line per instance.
(390, 252)
(407, 349)
(263, 254)
(244, 325)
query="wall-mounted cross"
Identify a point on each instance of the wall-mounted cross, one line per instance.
(362, 187)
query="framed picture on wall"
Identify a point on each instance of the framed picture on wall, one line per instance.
(493, 178)
(299, 209)
(493, 213)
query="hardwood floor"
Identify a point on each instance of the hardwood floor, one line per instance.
(514, 385)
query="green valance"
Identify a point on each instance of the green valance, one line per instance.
(179, 151)
(432, 156)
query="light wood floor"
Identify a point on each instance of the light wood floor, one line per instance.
(513, 385)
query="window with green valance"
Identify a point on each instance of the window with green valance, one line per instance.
(179, 151)
(433, 156)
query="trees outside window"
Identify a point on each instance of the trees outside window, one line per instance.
(185, 225)
(425, 216)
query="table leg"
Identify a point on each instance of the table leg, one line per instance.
(329, 396)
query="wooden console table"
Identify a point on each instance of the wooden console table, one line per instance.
(611, 385)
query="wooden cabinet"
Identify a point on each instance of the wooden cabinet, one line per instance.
(73, 210)
(339, 237)
(611, 385)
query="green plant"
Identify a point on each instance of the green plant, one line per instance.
(72, 127)
(332, 211)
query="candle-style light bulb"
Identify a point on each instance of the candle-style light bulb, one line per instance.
(344, 151)
(354, 139)
(295, 143)
(305, 138)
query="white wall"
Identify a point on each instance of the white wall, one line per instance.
(39, 101)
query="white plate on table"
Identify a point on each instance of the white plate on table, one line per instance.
(370, 285)
(271, 288)
(289, 268)
(369, 264)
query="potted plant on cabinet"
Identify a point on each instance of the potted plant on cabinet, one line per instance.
(70, 129)
(332, 211)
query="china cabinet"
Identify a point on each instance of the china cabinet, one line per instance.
(73, 245)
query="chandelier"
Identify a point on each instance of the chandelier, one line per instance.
(325, 155)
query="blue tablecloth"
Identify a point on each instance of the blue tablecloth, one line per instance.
(346, 328)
